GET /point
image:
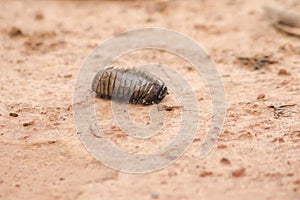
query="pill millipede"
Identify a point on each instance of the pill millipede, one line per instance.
(129, 84)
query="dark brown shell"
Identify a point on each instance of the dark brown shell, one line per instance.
(129, 84)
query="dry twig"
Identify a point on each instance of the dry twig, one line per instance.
(279, 110)
(283, 19)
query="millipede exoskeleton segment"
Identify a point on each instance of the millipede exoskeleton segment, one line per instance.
(129, 84)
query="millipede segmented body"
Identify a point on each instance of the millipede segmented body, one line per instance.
(129, 84)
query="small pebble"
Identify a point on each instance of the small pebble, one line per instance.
(283, 72)
(12, 114)
(222, 146)
(14, 32)
(67, 76)
(39, 16)
(261, 96)
(206, 173)
(225, 161)
(239, 173)
(28, 123)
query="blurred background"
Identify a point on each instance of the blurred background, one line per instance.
(42, 46)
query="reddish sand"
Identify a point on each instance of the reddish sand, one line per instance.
(43, 44)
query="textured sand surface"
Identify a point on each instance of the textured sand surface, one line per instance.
(41, 156)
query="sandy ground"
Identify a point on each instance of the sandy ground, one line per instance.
(43, 44)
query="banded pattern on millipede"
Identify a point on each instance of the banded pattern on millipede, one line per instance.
(129, 84)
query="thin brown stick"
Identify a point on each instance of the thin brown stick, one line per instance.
(288, 29)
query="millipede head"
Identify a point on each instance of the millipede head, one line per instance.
(161, 94)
